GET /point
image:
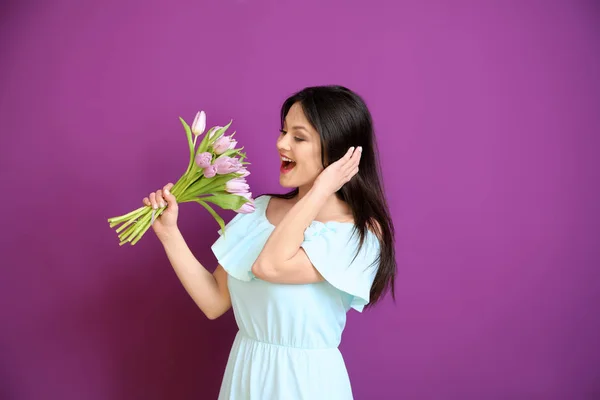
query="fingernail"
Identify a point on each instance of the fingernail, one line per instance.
(167, 192)
(352, 148)
(155, 206)
(359, 148)
(162, 205)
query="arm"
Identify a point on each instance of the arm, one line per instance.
(282, 260)
(209, 291)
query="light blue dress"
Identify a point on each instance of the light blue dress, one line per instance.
(287, 343)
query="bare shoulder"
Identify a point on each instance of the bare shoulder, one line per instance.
(277, 208)
(277, 202)
(375, 227)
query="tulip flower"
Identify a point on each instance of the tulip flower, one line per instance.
(210, 171)
(199, 123)
(244, 172)
(227, 165)
(247, 195)
(223, 144)
(237, 185)
(247, 208)
(203, 160)
(213, 131)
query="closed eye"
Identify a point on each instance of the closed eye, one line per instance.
(296, 138)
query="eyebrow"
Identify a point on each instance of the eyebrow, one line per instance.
(300, 128)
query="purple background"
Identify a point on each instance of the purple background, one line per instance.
(487, 117)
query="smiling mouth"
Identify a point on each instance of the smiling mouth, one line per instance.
(287, 165)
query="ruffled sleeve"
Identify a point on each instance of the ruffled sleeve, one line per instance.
(244, 237)
(331, 247)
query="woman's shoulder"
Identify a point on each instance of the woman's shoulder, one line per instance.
(274, 208)
(375, 229)
(272, 201)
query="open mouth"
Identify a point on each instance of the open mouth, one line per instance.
(287, 164)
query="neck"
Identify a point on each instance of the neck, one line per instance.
(302, 191)
(333, 209)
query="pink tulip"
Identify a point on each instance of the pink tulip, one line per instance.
(213, 131)
(210, 171)
(199, 123)
(247, 208)
(244, 172)
(237, 186)
(223, 144)
(203, 160)
(227, 165)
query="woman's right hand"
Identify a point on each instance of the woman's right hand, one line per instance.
(167, 221)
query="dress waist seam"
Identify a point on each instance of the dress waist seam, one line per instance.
(246, 336)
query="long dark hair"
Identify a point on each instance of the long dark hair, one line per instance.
(342, 120)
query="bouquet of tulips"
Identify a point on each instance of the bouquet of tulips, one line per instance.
(215, 174)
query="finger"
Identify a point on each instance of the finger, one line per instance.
(354, 160)
(159, 199)
(168, 186)
(170, 198)
(351, 175)
(343, 162)
(153, 200)
(146, 202)
(357, 155)
(349, 153)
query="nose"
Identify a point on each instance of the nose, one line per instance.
(283, 143)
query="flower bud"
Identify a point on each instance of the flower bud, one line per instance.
(210, 171)
(203, 160)
(199, 123)
(223, 144)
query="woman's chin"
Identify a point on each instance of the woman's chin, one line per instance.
(283, 182)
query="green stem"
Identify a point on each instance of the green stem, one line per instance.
(129, 231)
(187, 182)
(176, 187)
(191, 194)
(125, 225)
(144, 224)
(137, 216)
(139, 236)
(116, 220)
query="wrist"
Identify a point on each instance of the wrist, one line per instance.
(318, 194)
(167, 234)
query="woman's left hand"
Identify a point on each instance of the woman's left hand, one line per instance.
(338, 173)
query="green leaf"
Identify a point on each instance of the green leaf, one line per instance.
(213, 213)
(208, 140)
(188, 133)
(227, 201)
(193, 190)
(204, 142)
(229, 152)
(217, 182)
(220, 132)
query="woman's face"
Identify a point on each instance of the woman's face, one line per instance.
(301, 143)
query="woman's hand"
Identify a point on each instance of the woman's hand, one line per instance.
(338, 173)
(167, 221)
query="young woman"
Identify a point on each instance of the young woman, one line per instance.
(293, 269)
